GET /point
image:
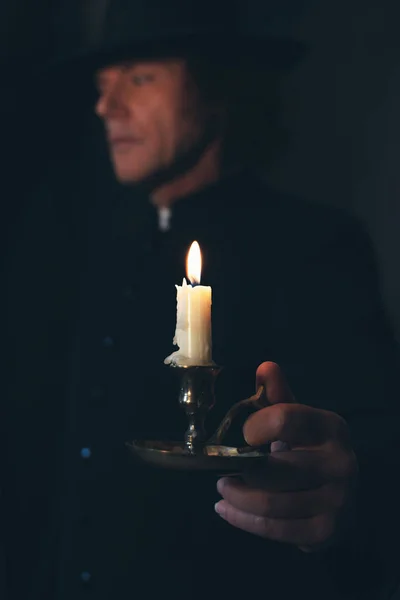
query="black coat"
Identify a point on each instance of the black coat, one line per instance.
(90, 318)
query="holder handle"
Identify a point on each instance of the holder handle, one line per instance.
(258, 400)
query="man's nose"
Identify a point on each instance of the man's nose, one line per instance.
(101, 106)
(107, 105)
(111, 102)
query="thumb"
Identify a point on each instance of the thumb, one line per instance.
(277, 390)
(276, 387)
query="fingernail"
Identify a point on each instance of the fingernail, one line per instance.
(219, 508)
(279, 447)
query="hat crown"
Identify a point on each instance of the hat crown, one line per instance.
(160, 18)
(128, 20)
(229, 30)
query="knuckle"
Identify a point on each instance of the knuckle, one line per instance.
(262, 526)
(269, 507)
(279, 416)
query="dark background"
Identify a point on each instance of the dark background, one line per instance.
(341, 107)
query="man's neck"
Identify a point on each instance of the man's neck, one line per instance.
(206, 171)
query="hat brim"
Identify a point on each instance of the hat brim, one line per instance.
(280, 54)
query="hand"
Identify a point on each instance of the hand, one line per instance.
(300, 495)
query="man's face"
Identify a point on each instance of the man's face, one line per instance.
(152, 116)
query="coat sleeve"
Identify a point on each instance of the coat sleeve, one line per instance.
(339, 354)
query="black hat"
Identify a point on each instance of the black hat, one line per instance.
(220, 28)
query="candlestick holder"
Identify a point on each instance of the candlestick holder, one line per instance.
(197, 452)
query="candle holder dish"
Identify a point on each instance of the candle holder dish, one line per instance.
(197, 452)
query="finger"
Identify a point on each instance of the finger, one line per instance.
(276, 387)
(279, 505)
(296, 424)
(298, 470)
(300, 532)
(279, 447)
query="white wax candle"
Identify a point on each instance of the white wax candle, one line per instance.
(193, 318)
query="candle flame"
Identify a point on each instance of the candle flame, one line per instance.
(193, 264)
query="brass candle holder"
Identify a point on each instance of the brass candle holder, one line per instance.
(197, 452)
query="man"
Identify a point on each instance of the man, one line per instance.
(295, 305)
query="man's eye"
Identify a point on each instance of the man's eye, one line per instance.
(141, 79)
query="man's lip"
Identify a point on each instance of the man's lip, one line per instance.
(124, 140)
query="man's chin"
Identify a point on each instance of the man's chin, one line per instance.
(147, 179)
(128, 179)
(131, 176)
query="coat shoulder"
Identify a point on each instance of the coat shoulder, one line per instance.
(301, 225)
(303, 215)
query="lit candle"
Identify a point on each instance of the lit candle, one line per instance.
(193, 317)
